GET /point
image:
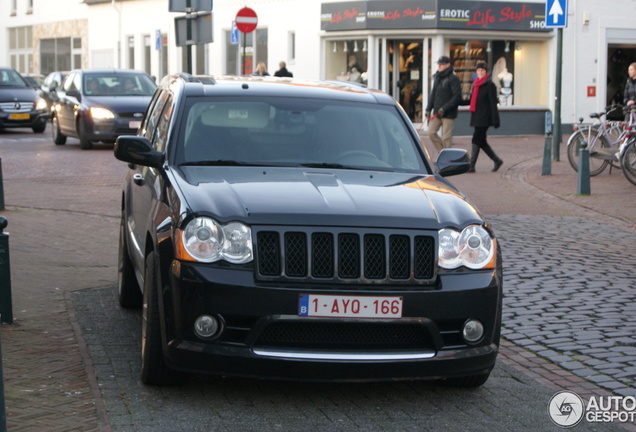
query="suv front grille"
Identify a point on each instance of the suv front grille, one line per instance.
(345, 256)
(16, 107)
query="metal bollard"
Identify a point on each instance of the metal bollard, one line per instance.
(6, 308)
(1, 188)
(546, 168)
(3, 412)
(583, 175)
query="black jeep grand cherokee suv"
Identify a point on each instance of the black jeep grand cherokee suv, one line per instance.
(298, 230)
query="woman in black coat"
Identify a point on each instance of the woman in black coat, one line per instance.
(484, 113)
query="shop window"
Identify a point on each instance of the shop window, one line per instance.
(346, 60)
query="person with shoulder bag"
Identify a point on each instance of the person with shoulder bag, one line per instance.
(483, 114)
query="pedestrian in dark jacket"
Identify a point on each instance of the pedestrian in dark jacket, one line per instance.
(443, 102)
(283, 72)
(483, 114)
(630, 88)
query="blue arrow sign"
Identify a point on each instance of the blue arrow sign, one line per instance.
(234, 35)
(556, 13)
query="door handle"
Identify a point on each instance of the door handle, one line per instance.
(138, 179)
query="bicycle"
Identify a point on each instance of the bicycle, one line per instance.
(602, 139)
(628, 154)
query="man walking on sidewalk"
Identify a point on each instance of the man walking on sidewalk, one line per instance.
(442, 103)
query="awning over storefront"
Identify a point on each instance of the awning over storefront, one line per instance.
(433, 14)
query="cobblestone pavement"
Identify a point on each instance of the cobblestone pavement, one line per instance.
(71, 359)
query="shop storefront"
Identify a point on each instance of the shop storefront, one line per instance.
(393, 46)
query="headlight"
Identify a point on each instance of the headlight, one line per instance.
(472, 248)
(101, 113)
(206, 240)
(40, 105)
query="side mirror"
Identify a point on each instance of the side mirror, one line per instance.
(74, 93)
(137, 150)
(451, 162)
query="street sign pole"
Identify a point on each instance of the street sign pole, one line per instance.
(246, 21)
(188, 46)
(556, 137)
(244, 51)
(556, 16)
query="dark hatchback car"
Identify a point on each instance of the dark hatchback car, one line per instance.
(20, 105)
(298, 230)
(100, 105)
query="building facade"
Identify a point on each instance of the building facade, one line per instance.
(392, 45)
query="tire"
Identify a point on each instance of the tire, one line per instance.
(597, 165)
(628, 161)
(128, 291)
(58, 138)
(154, 370)
(85, 143)
(39, 127)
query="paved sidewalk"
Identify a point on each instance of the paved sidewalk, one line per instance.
(62, 244)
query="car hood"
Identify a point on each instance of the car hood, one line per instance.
(297, 196)
(118, 103)
(22, 94)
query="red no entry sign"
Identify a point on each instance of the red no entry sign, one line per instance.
(246, 20)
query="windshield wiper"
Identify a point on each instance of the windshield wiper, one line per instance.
(217, 162)
(329, 165)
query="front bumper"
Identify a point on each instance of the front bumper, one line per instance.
(264, 336)
(109, 130)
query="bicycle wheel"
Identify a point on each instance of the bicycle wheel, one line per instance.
(597, 165)
(628, 161)
(615, 135)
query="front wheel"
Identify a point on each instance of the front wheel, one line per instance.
(154, 370)
(628, 161)
(39, 127)
(85, 143)
(128, 292)
(58, 138)
(597, 165)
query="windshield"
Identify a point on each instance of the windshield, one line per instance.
(296, 132)
(10, 78)
(114, 84)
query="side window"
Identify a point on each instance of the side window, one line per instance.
(154, 112)
(69, 82)
(163, 123)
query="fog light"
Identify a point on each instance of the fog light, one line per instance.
(206, 326)
(473, 331)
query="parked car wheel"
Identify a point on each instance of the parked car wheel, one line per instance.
(58, 138)
(85, 143)
(39, 127)
(154, 370)
(128, 291)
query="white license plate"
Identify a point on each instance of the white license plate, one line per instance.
(349, 306)
(134, 124)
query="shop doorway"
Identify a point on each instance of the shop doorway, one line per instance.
(619, 57)
(405, 75)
